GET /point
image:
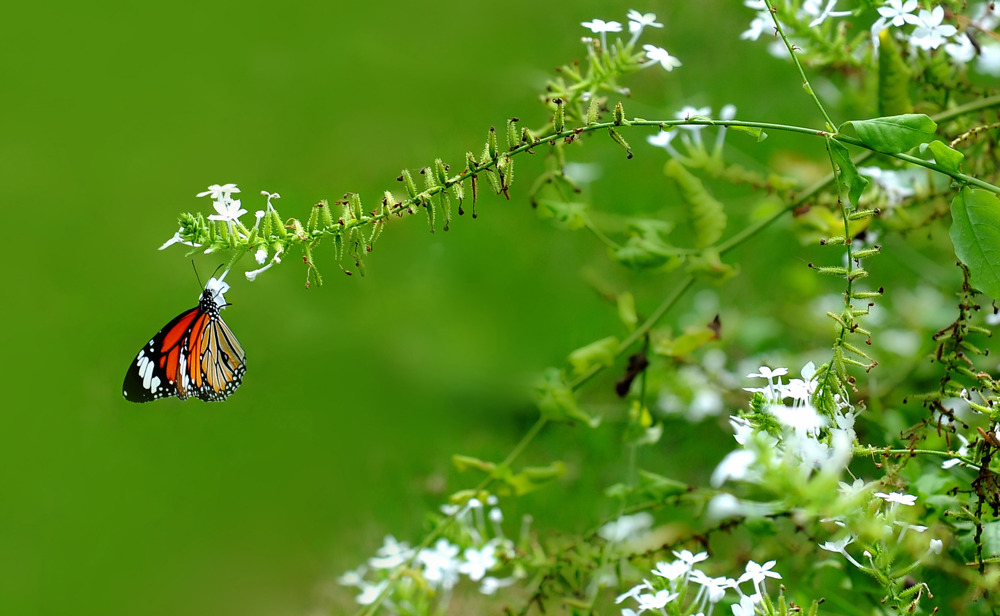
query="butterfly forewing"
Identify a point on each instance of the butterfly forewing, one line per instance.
(195, 354)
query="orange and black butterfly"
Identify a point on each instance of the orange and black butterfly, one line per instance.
(196, 354)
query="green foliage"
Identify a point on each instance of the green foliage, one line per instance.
(895, 134)
(787, 486)
(975, 232)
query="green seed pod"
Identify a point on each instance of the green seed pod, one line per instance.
(445, 201)
(512, 136)
(527, 136)
(559, 119)
(325, 213)
(621, 141)
(278, 224)
(354, 200)
(407, 180)
(429, 204)
(441, 171)
(619, 114)
(593, 111)
(458, 191)
(491, 143)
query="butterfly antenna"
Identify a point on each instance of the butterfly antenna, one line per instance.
(195, 268)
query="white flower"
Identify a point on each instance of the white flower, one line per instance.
(898, 13)
(626, 527)
(599, 26)
(804, 419)
(354, 578)
(761, 22)
(837, 546)
(228, 210)
(634, 592)
(714, 588)
(724, 506)
(478, 562)
(656, 600)
(896, 497)
(759, 573)
(811, 7)
(661, 55)
(260, 256)
(745, 607)
(176, 239)
(491, 584)
(371, 592)
(673, 570)
(637, 20)
(936, 546)
(690, 558)
(219, 193)
(218, 287)
(989, 59)
(736, 465)
(440, 564)
(662, 138)
(961, 51)
(392, 554)
(931, 34)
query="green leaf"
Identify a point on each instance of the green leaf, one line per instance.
(975, 232)
(557, 402)
(658, 487)
(646, 249)
(943, 155)
(707, 214)
(849, 175)
(572, 214)
(534, 477)
(751, 130)
(893, 78)
(464, 463)
(601, 352)
(626, 310)
(894, 134)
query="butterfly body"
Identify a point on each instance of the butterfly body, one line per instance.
(195, 354)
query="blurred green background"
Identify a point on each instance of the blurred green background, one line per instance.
(357, 392)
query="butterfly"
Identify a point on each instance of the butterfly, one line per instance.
(196, 354)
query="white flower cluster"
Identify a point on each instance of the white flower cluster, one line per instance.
(807, 443)
(886, 517)
(637, 22)
(919, 27)
(680, 579)
(229, 211)
(478, 555)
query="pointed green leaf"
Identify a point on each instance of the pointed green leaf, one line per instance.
(601, 352)
(849, 175)
(759, 134)
(945, 156)
(706, 213)
(557, 402)
(893, 78)
(658, 487)
(534, 477)
(975, 232)
(894, 134)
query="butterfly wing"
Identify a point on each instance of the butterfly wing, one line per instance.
(154, 372)
(196, 354)
(217, 361)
